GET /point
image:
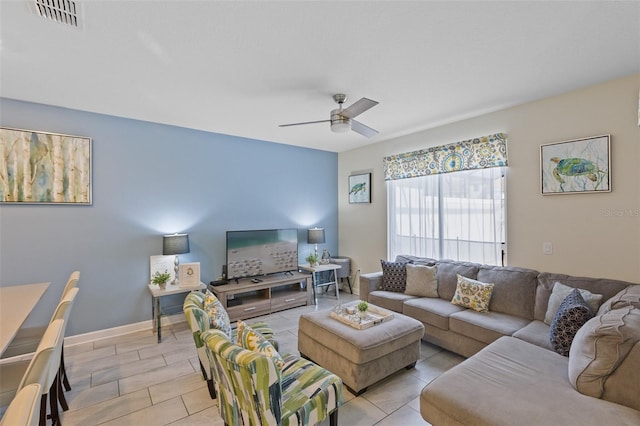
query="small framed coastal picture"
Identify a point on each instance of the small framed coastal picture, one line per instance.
(189, 274)
(576, 166)
(360, 188)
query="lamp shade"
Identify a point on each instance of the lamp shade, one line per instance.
(315, 236)
(175, 244)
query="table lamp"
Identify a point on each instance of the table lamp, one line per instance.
(315, 236)
(175, 244)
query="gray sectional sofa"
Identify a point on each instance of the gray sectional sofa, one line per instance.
(512, 374)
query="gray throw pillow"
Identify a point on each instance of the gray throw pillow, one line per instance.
(422, 281)
(560, 292)
(394, 276)
(601, 353)
(573, 314)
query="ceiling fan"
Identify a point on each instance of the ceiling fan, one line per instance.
(342, 120)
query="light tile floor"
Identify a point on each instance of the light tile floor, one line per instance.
(133, 380)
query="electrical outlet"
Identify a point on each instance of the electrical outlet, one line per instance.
(547, 248)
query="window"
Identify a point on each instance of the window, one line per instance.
(458, 215)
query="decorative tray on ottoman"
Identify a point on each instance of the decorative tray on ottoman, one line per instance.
(375, 315)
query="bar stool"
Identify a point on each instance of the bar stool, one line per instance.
(25, 407)
(27, 339)
(62, 312)
(42, 369)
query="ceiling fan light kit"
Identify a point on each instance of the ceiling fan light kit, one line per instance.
(342, 119)
(339, 123)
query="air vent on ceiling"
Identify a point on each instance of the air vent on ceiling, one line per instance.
(62, 11)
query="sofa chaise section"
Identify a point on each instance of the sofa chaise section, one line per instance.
(514, 382)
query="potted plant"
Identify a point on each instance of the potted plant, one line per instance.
(161, 278)
(312, 259)
(362, 309)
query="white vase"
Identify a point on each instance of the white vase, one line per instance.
(362, 314)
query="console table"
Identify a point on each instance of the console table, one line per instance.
(273, 293)
(158, 293)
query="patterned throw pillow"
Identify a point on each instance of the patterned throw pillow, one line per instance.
(217, 314)
(560, 292)
(251, 340)
(572, 314)
(394, 276)
(472, 294)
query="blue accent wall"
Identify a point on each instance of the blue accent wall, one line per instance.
(148, 180)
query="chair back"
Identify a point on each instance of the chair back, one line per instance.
(63, 310)
(71, 283)
(198, 321)
(43, 367)
(24, 410)
(247, 383)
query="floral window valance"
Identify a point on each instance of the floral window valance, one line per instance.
(477, 153)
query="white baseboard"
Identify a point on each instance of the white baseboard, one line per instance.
(79, 339)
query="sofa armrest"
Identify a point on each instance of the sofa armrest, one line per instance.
(368, 283)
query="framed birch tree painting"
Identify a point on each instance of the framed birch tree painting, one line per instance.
(40, 167)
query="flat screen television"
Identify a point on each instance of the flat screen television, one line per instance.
(261, 252)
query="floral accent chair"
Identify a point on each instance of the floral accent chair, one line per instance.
(204, 312)
(254, 391)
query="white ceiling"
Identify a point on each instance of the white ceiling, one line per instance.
(241, 68)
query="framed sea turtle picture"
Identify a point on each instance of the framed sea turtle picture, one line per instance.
(576, 166)
(360, 188)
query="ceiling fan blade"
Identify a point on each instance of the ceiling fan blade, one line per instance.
(358, 108)
(304, 122)
(365, 131)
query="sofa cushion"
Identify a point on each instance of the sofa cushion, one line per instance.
(485, 326)
(472, 294)
(572, 314)
(600, 347)
(546, 280)
(514, 382)
(536, 332)
(629, 294)
(432, 311)
(394, 276)
(422, 281)
(391, 300)
(514, 289)
(559, 294)
(448, 271)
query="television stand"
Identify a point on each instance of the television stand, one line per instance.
(274, 293)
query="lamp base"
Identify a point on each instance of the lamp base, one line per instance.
(176, 264)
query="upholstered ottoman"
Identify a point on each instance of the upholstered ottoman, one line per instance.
(360, 357)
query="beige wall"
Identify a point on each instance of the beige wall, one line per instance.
(596, 235)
